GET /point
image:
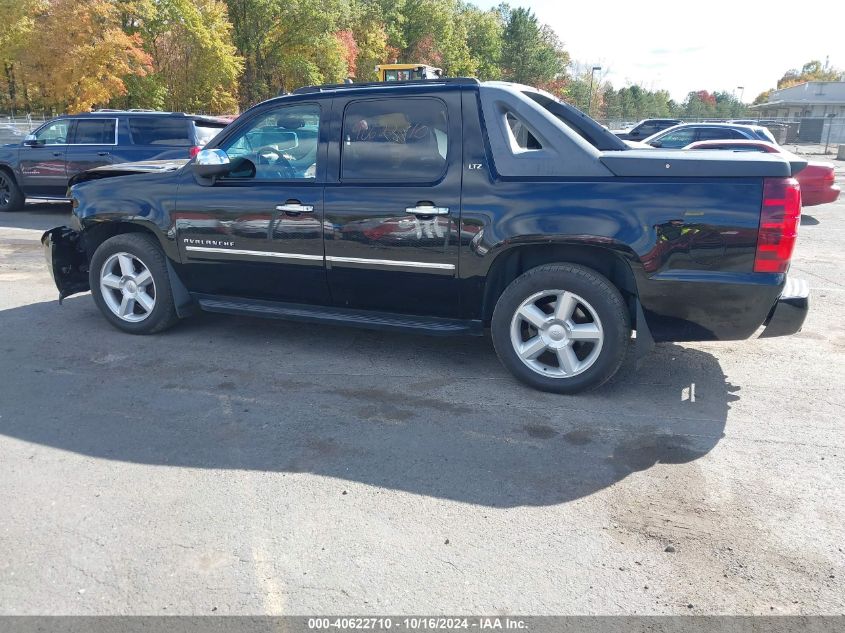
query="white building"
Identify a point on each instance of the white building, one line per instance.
(811, 99)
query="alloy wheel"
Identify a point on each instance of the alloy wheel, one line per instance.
(127, 287)
(5, 190)
(556, 333)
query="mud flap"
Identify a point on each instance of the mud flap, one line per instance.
(645, 341)
(66, 261)
(182, 300)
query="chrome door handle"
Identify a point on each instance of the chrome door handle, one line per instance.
(295, 207)
(102, 153)
(427, 210)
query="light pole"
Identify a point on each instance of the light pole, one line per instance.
(590, 99)
(741, 92)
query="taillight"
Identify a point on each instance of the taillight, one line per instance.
(829, 176)
(195, 150)
(779, 218)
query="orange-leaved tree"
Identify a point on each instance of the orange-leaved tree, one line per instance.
(79, 55)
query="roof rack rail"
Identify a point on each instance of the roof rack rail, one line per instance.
(461, 81)
(132, 110)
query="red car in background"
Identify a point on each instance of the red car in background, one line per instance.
(816, 180)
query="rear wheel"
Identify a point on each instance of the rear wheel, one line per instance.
(11, 196)
(562, 328)
(130, 285)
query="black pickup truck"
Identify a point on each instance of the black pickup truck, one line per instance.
(445, 207)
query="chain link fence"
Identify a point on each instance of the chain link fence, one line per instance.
(821, 135)
(13, 129)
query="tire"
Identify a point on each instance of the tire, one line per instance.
(11, 196)
(130, 299)
(577, 347)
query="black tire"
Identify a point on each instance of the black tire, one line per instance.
(11, 196)
(145, 250)
(597, 295)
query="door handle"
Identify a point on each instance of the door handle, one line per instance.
(103, 153)
(292, 207)
(427, 209)
(57, 154)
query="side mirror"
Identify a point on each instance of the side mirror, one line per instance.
(656, 144)
(212, 162)
(30, 140)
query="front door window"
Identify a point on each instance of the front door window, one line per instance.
(280, 145)
(53, 134)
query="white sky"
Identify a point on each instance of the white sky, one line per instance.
(683, 46)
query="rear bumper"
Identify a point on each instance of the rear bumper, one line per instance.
(790, 310)
(812, 196)
(66, 260)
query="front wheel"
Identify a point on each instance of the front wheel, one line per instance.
(130, 285)
(562, 328)
(11, 196)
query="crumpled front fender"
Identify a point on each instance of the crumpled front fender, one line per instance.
(66, 260)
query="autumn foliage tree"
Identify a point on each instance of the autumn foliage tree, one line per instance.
(221, 56)
(96, 55)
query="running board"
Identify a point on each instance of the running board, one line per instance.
(434, 326)
(48, 199)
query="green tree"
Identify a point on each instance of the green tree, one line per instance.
(531, 53)
(434, 34)
(194, 59)
(811, 71)
(289, 43)
(484, 30)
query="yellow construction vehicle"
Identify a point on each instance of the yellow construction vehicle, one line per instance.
(407, 72)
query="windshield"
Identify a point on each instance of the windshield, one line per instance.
(766, 135)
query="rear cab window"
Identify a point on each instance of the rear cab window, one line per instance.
(522, 137)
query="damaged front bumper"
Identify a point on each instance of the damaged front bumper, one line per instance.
(66, 260)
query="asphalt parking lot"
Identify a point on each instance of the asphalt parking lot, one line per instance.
(240, 466)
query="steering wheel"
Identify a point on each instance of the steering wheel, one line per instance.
(269, 155)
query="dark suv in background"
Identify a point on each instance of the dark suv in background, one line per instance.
(40, 166)
(646, 128)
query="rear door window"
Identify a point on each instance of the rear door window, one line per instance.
(160, 130)
(717, 133)
(647, 129)
(94, 132)
(394, 140)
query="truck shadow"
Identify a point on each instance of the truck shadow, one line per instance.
(435, 417)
